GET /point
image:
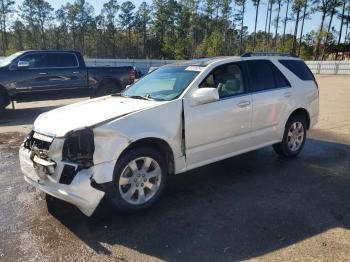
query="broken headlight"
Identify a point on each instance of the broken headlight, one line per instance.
(79, 147)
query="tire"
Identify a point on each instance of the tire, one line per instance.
(3, 101)
(294, 137)
(136, 190)
(107, 87)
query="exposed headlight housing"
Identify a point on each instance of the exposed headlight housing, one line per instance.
(79, 147)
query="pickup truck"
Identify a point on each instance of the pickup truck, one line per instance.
(43, 75)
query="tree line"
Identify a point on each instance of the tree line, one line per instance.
(176, 29)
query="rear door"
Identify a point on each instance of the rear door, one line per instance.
(65, 76)
(271, 93)
(219, 129)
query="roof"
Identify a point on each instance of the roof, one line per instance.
(247, 56)
(48, 50)
(202, 61)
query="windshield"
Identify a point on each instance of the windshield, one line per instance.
(165, 83)
(7, 60)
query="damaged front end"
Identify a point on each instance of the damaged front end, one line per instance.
(79, 147)
(62, 167)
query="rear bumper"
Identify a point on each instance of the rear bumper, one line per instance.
(313, 121)
(79, 192)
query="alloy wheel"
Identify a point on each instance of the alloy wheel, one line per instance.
(295, 136)
(140, 180)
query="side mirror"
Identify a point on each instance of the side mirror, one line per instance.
(23, 64)
(204, 96)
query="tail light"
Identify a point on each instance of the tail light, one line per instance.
(132, 75)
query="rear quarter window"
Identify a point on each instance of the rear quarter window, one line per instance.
(299, 68)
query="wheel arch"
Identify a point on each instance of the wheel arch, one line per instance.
(156, 143)
(105, 80)
(301, 112)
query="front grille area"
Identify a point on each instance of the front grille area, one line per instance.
(35, 144)
(41, 145)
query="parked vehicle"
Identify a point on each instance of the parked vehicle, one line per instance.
(41, 75)
(175, 119)
(138, 73)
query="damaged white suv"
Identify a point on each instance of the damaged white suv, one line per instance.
(177, 118)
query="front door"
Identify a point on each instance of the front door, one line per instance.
(50, 75)
(219, 129)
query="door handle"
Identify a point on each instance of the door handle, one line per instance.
(287, 94)
(243, 103)
(42, 73)
(76, 72)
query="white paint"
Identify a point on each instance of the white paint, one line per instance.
(214, 128)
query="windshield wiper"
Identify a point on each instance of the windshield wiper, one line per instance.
(146, 97)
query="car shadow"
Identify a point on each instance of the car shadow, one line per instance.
(23, 116)
(236, 209)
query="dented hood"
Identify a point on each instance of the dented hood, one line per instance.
(60, 121)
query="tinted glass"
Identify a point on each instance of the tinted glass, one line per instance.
(299, 68)
(261, 73)
(35, 60)
(61, 60)
(280, 79)
(228, 79)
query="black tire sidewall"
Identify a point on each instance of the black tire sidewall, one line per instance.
(107, 85)
(3, 102)
(285, 148)
(113, 188)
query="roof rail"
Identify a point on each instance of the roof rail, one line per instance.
(249, 54)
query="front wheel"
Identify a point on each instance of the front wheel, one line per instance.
(138, 180)
(293, 138)
(4, 101)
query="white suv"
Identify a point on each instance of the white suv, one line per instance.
(177, 118)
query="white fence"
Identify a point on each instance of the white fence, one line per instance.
(329, 67)
(317, 67)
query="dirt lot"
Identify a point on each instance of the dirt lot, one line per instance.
(252, 207)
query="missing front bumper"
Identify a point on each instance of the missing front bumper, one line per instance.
(79, 192)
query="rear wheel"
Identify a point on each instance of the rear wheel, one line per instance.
(108, 87)
(139, 179)
(293, 138)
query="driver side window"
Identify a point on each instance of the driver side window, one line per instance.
(228, 79)
(35, 60)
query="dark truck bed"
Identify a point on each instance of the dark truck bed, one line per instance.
(42, 75)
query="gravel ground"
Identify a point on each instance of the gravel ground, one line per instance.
(256, 206)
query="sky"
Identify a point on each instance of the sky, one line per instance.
(312, 24)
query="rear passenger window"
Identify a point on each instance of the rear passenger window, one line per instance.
(265, 75)
(299, 68)
(62, 60)
(261, 75)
